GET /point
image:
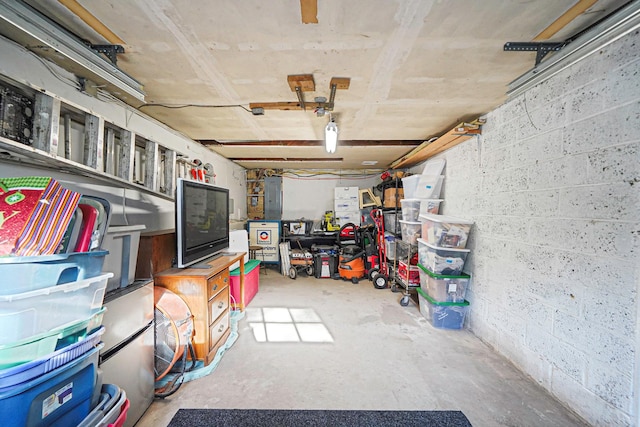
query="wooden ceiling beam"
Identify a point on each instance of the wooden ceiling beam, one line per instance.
(312, 142)
(309, 11)
(576, 10)
(93, 22)
(284, 105)
(428, 149)
(285, 159)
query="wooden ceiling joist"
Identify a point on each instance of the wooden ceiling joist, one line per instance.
(311, 142)
(428, 149)
(282, 105)
(285, 159)
(576, 10)
(309, 11)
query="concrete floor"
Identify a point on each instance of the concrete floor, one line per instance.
(377, 355)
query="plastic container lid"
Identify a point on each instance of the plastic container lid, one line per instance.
(67, 287)
(421, 200)
(446, 303)
(49, 258)
(410, 222)
(442, 276)
(439, 248)
(433, 167)
(444, 218)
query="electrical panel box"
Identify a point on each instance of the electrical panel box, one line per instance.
(273, 198)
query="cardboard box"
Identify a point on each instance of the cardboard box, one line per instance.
(392, 197)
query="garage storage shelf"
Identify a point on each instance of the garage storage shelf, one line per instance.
(103, 151)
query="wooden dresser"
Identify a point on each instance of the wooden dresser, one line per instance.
(206, 292)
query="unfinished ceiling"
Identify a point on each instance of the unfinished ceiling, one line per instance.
(416, 68)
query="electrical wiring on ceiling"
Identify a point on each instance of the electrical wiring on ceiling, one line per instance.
(329, 175)
(178, 106)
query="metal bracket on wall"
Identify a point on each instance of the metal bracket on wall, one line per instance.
(542, 48)
(110, 50)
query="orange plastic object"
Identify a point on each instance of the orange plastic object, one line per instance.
(353, 269)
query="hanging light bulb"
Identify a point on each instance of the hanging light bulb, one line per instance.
(331, 136)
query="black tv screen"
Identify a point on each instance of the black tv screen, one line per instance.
(202, 221)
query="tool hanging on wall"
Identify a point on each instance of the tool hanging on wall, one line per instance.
(197, 170)
(209, 175)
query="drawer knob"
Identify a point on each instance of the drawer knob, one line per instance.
(221, 304)
(221, 328)
(215, 287)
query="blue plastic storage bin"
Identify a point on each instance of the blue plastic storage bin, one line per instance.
(33, 369)
(60, 398)
(444, 315)
(27, 273)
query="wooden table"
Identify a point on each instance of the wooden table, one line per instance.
(239, 256)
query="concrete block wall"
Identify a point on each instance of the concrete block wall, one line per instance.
(553, 185)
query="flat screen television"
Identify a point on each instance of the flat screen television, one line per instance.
(202, 221)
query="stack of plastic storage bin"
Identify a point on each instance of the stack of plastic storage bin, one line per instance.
(421, 196)
(347, 205)
(410, 229)
(441, 257)
(51, 310)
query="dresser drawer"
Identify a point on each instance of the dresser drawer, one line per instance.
(217, 283)
(217, 330)
(218, 304)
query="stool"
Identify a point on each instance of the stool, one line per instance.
(253, 254)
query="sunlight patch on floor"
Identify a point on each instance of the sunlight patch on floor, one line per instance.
(281, 324)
